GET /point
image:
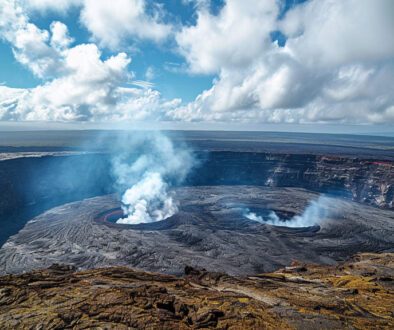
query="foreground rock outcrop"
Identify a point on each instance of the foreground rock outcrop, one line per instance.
(358, 294)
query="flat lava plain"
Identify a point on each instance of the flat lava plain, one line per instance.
(209, 231)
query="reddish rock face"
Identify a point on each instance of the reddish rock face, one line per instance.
(356, 294)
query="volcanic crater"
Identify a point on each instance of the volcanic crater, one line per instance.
(213, 228)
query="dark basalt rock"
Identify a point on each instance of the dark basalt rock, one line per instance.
(209, 231)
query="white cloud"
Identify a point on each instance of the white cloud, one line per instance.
(333, 32)
(29, 43)
(112, 23)
(88, 88)
(9, 98)
(90, 92)
(327, 72)
(79, 85)
(60, 38)
(236, 36)
(137, 104)
(32, 50)
(337, 65)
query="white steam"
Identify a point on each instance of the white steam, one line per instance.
(145, 173)
(323, 208)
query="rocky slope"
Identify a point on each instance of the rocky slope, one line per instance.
(358, 294)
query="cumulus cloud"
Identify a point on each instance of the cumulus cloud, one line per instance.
(88, 85)
(78, 84)
(30, 44)
(340, 32)
(235, 37)
(9, 98)
(90, 92)
(114, 22)
(60, 38)
(111, 23)
(337, 64)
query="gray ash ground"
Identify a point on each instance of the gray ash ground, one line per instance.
(209, 231)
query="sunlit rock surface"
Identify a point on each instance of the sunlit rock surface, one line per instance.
(358, 294)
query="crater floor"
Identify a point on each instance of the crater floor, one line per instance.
(208, 232)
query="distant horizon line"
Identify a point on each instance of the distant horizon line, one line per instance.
(372, 134)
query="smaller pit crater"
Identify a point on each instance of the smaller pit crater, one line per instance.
(111, 216)
(284, 215)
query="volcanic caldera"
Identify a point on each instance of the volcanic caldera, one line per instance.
(243, 211)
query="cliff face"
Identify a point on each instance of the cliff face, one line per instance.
(365, 181)
(52, 180)
(57, 180)
(356, 295)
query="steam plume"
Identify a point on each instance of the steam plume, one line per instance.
(146, 172)
(316, 211)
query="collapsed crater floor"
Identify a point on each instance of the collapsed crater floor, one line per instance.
(209, 231)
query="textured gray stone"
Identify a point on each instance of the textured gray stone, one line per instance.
(208, 232)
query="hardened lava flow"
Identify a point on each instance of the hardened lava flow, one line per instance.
(209, 231)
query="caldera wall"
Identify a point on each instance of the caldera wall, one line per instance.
(52, 180)
(56, 180)
(366, 181)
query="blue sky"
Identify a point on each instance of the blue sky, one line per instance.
(170, 84)
(198, 62)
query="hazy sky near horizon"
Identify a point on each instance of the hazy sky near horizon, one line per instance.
(199, 63)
